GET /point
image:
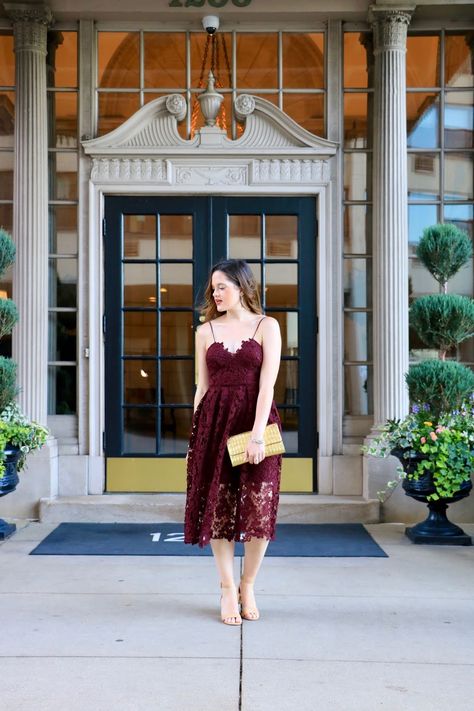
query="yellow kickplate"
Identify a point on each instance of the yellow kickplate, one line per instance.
(143, 474)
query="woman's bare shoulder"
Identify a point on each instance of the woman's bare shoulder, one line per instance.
(270, 324)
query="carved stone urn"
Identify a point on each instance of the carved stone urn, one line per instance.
(210, 101)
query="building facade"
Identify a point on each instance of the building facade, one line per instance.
(340, 134)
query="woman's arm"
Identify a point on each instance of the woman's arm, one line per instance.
(268, 375)
(200, 354)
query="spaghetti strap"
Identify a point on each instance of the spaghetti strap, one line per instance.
(210, 324)
(258, 324)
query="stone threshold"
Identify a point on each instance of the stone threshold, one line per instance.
(293, 508)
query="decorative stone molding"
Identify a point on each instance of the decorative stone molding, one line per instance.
(136, 169)
(211, 175)
(153, 130)
(29, 25)
(310, 172)
(390, 26)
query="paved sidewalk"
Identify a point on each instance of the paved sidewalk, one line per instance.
(143, 633)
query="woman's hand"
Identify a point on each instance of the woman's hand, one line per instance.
(255, 452)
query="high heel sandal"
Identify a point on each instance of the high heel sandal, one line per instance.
(234, 620)
(248, 613)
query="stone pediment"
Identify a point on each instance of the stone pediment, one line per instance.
(153, 131)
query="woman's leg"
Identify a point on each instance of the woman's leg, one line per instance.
(223, 551)
(254, 554)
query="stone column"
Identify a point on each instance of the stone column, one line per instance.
(390, 222)
(30, 211)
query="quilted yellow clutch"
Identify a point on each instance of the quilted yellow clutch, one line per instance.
(237, 443)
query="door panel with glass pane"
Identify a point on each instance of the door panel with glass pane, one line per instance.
(158, 252)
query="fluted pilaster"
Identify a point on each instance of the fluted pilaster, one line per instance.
(30, 211)
(390, 222)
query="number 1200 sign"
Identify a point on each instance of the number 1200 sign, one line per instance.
(212, 3)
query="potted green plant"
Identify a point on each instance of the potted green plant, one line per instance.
(18, 435)
(435, 441)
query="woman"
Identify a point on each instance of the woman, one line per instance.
(238, 353)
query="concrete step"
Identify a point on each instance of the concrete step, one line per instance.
(293, 508)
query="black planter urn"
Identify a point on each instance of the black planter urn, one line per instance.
(9, 483)
(436, 529)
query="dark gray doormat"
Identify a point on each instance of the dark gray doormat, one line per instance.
(307, 540)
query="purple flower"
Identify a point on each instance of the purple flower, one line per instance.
(426, 406)
(415, 409)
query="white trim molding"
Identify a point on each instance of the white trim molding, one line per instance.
(274, 156)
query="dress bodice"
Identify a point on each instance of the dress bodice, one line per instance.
(240, 368)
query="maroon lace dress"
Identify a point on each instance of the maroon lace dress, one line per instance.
(236, 503)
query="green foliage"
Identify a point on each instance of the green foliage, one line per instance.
(16, 429)
(447, 443)
(7, 251)
(443, 320)
(444, 249)
(8, 316)
(445, 385)
(8, 387)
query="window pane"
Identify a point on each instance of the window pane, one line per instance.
(165, 60)
(139, 284)
(244, 236)
(6, 217)
(62, 282)
(139, 431)
(62, 336)
(139, 236)
(7, 59)
(458, 60)
(257, 58)
(61, 389)
(303, 60)
(419, 217)
(357, 229)
(62, 169)
(177, 335)
(62, 129)
(462, 216)
(422, 120)
(420, 280)
(288, 321)
(61, 61)
(139, 382)
(286, 386)
(63, 229)
(459, 119)
(7, 118)
(355, 121)
(175, 429)
(289, 420)
(423, 176)
(281, 284)
(358, 389)
(307, 110)
(458, 176)
(176, 236)
(119, 59)
(281, 236)
(139, 333)
(358, 283)
(423, 61)
(6, 175)
(356, 185)
(256, 270)
(357, 55)
(177, 382)
(199, 41)
(357, 336)
(114, 109)
(176, 285)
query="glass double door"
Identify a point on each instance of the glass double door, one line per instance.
(158, 255)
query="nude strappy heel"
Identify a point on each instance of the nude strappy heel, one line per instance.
(233, 620)
(248, 613)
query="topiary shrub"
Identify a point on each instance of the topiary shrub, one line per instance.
(8, 318)
(443, 320)
(445, 385)
(443, 250)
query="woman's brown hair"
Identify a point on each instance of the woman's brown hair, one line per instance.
(240, 274)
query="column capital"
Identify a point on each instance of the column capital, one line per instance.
(390, 25)
(30, 23)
